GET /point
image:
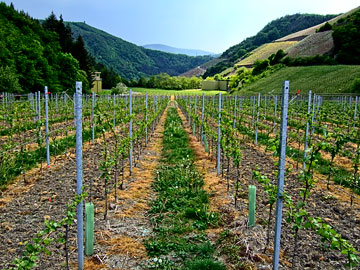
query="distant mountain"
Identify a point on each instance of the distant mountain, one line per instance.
(169, 49)
(129, 60)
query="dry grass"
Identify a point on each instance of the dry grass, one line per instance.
(340, 193)
(91, 263)
(213, 184)
(317, 43)
(132, 205)
(265, 51)
(138, 193)
(124, 245)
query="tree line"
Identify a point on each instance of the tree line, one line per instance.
(165, 81)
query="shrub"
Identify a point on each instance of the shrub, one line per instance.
(120, 88)
(260, 66)
(275, 58)
(308, 61)
(326, 27)
(9, 81)
(355, 87)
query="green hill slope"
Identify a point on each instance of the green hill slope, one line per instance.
(129, 60)
(319, 79)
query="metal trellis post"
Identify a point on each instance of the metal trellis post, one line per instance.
(281, 176)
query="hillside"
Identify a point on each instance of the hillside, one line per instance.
(319, 79)
(265, 51)
(129, 60)
(200, 70)
(272, 31)
(315, 44)
(311, 30)
(304, 43)
(169, 49)
(32, 57)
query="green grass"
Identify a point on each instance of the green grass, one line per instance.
(319, 79)
(105, 92)
(180, 212)
(175, 92)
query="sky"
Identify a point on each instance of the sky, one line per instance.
(211, 25)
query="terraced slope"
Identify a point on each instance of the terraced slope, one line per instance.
(315, 44)
(265, 51)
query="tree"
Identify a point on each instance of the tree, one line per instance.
(152, 82)
(84, 58)
(355, 87)
(347, 39)
(51, 22)
(142, 82)
(65, 35)
(81, 77)
(64, 31)
(109, 77)
(260, 66)
(275, 58)
(326, 27)
(69, 71)
(9, 81)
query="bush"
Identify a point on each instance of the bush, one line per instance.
(275, 58)
(82, 77)
(326, 27)
(120, 88)
(346, 40)
(260, 66)
(9, 81)
(355, 87)
(308, 61)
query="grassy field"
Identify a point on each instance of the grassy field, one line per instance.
(175, 92)
(105, 92)
(319, 79)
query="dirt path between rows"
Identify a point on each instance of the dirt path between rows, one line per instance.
(119, 239)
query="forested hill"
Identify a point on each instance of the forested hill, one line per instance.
(31, 56)
(272, 31)
(129, 60)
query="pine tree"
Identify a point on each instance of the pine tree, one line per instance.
(86, 61)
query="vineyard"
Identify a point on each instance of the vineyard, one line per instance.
(182, 182)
